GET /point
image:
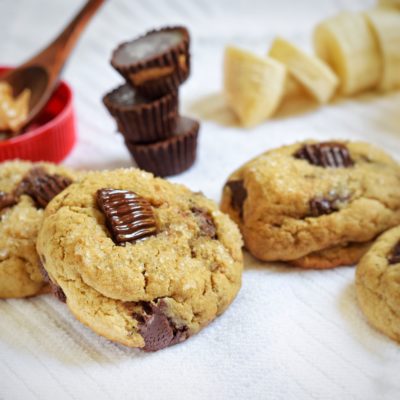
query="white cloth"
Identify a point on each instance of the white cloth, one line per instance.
(290, 334)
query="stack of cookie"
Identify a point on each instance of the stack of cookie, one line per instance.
(146, 107)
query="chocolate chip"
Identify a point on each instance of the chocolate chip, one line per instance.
(327, 204)
(327, 155)
(157, 330)
(238, 195)
(205, 222)
(58, 292)
(41, 186)
(7, 200)
(129, 217)
(394, 257)
(55, 289)
(43, 272)
(320, 206)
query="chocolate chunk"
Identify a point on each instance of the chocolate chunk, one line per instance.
(7, 200)
(327, 155)
(321, 206)
(43, 272)
(327, 204)
(58, 292)
(394, 257)
(205, 222)
(238, 196)
(55, 289)
(157, 329)
(129, 217)
(41, 186)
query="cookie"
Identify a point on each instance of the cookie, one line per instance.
(156, 63)
(25, 189)
(139, 260)
(378, 284)
(299, 200)
(333, 257)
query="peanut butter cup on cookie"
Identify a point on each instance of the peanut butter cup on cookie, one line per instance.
(156, 63)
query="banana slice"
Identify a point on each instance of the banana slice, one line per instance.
(253, 85)
(316, 77)
(385, 23)
(293, 88)
(390, 3)
(348, 45)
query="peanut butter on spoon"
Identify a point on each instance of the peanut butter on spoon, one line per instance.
(13, 111)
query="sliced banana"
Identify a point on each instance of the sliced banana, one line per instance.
(253, 85)
(347, 43)
(316, 77)
(389, 3)
(385, 23)
(293, 88)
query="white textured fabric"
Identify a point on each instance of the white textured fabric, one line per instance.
(290, 334)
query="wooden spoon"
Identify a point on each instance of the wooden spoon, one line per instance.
(41, 73)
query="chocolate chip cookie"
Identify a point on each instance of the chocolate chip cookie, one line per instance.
(25, 189)
(316, 205)
(378, 284)
(139, 260)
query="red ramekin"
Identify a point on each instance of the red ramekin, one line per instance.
(51, 136)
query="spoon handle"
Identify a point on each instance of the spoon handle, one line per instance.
(54, 56)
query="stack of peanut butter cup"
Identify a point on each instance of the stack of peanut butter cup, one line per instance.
(146, 107)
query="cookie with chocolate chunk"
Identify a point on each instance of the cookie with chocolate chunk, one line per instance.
(140, 260)
(314, 204)
(377, 284)
(25, 190)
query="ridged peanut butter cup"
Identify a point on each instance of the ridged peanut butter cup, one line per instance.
(141, 120)
(156, 63)
(171, 156)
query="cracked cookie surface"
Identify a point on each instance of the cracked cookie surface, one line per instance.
(20, 219)
(308, 200)
(148, 293)
(378, 284)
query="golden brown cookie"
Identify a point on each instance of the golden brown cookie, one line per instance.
(305, 198)
(333, 257)
(378, 284)
(140, 260)
(25, 189)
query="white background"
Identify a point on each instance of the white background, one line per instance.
(290, 334)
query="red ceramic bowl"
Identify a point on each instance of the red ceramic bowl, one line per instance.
(51, 136)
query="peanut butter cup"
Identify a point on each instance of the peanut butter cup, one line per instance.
(156, 63)
(129, 217)
(41, 186)
(171, 156)
(326, 155)
(141, 120)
